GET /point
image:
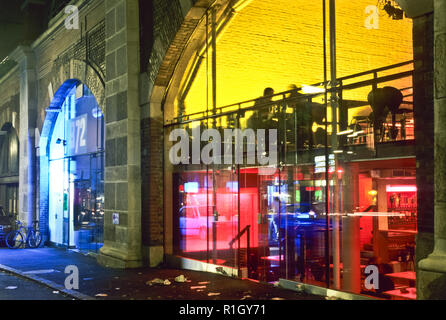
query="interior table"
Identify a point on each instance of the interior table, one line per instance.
(405, 277)
(396, 294)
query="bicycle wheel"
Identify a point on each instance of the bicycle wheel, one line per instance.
(34, 240)
(14, 240)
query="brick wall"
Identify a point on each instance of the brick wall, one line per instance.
(152, 186)
(167, 20)
(278, 43)
(168, 35)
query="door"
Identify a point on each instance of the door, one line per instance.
(274, 223)
(87, 200)
(58, 201)
(224, 217)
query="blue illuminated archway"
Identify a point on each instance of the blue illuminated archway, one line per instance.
(72, 169)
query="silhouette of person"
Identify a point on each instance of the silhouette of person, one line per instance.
(403, 126)
(264, 111)
(303, 116)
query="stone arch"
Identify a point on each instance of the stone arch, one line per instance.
(185, 49)
(10, 112)
(181, 55)
(189, 39)
(56, 102)
(63, 77)
(59, 98)
(50, 116)
(85, 73)
(9, 150)
(166, 76)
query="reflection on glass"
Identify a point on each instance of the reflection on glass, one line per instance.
(76, 172)
(340, 198)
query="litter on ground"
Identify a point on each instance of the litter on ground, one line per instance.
(212, 294)
(155, 281)
(101, 295)
(180, 278)
(167, 282)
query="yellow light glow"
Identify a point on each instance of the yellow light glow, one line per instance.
(278, 43)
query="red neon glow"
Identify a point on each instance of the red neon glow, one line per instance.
(196, 217)
(401, 188)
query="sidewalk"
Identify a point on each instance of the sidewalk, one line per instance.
(47, 265)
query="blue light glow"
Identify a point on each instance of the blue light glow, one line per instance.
(232, 186)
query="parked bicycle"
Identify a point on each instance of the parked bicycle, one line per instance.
(16, 239)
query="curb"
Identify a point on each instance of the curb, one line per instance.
(50, 284)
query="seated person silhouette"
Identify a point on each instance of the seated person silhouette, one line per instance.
(302, 110)
(263, 112)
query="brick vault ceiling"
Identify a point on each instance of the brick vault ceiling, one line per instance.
(278, 43)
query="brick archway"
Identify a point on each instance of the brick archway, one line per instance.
(189, 39)
(183, 53)
(83, 72)
(64, 78)
(165, 74)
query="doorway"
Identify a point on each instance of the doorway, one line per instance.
(76, 173)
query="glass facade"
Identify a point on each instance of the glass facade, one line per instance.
(76, 173)
(329, 201)
(268, 222)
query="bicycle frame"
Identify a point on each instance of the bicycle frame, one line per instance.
(24, 232)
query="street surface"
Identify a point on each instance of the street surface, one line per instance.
(103, 283)
(15, 288)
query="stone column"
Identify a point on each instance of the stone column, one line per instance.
(432, 270)
(24, 56)
(122, 237)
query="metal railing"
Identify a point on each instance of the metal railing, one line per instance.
(286, 97)
(301, 122)
(248, 245)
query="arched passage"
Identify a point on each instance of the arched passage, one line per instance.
(261, 44)
(9, 169)
(72, 168)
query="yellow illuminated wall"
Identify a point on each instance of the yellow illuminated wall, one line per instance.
(278, 43)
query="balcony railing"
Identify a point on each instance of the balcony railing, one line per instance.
(301, 119)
